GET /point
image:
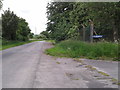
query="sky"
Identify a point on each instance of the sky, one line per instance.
(34, 11)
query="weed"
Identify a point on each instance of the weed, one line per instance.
(78, 60)
(115, 81)
(105, 74)
(58, 62)
(90, 67)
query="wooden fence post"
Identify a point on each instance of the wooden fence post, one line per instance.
(83, 32)
(91, 30)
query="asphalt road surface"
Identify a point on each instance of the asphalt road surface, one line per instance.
(109, 67)
(27, 66)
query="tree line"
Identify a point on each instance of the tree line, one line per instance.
(14, 27)
(67, 19)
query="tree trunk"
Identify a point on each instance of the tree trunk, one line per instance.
(115, 33)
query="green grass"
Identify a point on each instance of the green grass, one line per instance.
(77, 49)
(4, 44)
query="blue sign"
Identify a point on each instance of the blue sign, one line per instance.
(97, 36)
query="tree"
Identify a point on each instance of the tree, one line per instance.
(59, 23)
(1, 20)
(14, 27)
(9, 25)
(66, 19)
(45, 33)
(105, 17)
(23, 30)
(0, 27)
(31, 35)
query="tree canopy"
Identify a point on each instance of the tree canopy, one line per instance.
(66, 19)
(14, 27)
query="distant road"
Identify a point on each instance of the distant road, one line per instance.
(27, 66)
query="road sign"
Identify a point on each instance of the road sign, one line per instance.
(97, 36)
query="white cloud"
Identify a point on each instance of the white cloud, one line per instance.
(34, 11)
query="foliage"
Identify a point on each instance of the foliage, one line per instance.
(77, 49)
(31, 35)
(23, 31)
(44, 35)
(14, 27)
(36, 36)
(65, 19)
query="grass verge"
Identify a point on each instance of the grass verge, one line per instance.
(4, 44)
(77, 49)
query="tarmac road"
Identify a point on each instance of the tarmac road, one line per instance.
(109, 67)
(27, 66)
(19, 65)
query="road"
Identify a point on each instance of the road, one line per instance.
(20, 64)
(109, 67)
(27, 66)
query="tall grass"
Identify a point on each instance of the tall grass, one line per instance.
(77, 49)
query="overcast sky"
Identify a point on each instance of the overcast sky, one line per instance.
(34, 11)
